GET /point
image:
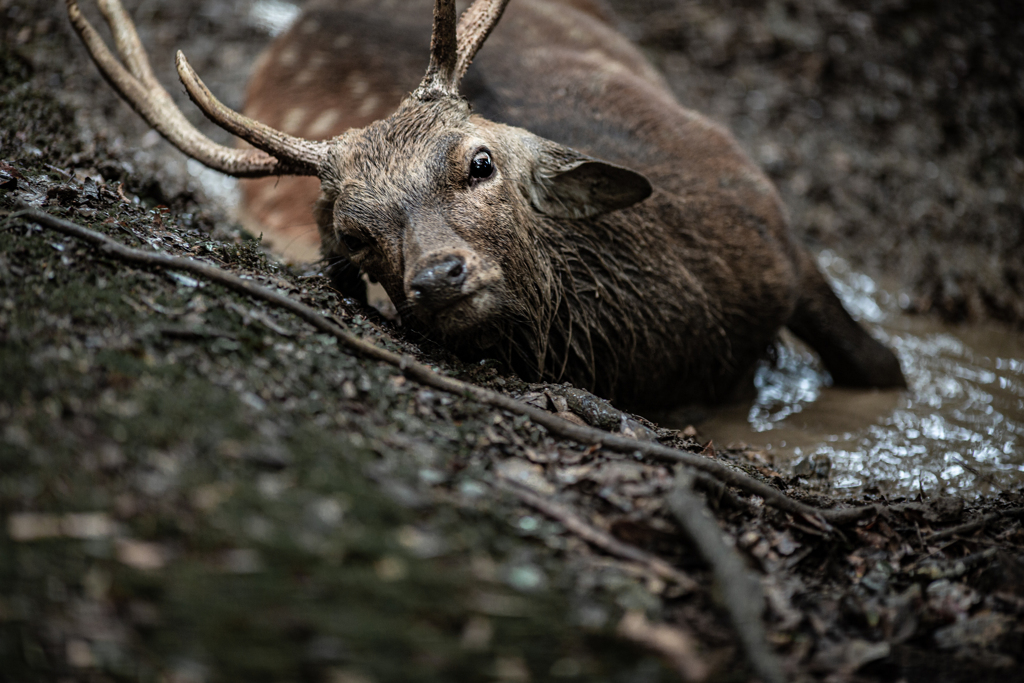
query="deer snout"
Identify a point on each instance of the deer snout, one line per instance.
(439, 283)
(448, 283)
(453, 290)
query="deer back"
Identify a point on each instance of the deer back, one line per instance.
(560, 70)
(685, 289)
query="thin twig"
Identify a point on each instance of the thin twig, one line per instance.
(596, 537)
(740, 590)
(425, 375)
(951, 569)
(719, 492)
(973, 526)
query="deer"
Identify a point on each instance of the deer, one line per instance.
(546, 202)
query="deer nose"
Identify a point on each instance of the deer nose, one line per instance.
(440, 283)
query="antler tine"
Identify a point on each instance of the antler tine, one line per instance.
(297, 156)
(453, 46)
(129, 47)
(475, 25)
(139, 88)
(440, 76)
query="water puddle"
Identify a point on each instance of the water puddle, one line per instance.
(959, 428)
(274, 17)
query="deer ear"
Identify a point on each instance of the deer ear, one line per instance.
(567, 184)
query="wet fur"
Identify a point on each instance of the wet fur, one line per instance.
(671, 300)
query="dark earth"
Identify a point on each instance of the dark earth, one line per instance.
(196, 487)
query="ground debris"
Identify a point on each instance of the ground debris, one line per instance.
(858, 606)
(189, 474)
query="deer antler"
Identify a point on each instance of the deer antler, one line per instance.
(276, 153)
(296, 156)
(475, 25)
(439, 79)
(452, 48)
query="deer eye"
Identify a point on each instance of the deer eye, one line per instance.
(481, 167)
(353, 243)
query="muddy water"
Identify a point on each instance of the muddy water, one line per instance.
(959, 427)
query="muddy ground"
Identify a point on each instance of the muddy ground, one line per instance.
(196, 487)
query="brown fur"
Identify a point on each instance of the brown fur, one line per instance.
(571, 272)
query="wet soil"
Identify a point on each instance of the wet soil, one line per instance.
(196, 487)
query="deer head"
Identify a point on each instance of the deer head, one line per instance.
(438, 204)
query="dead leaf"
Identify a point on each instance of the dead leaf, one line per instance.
(572, 417)
(525, 473)
(672, 643)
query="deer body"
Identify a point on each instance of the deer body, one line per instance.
(565, 213)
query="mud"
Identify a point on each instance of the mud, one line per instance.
(957, 429)
(194, 487)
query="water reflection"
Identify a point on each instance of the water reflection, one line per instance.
(959, 427)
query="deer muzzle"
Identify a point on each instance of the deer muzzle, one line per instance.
(439, 284)
(453, 290)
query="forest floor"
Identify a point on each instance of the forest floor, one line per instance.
(197, 486)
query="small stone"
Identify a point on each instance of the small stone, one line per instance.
(526, 577)
(511, 669)
(477, 633)
(242, 561)
(391, 568)
(141, 555)
(79, 654)
(33, 526)
(472, 489)
(420, 543)
(88, 525)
